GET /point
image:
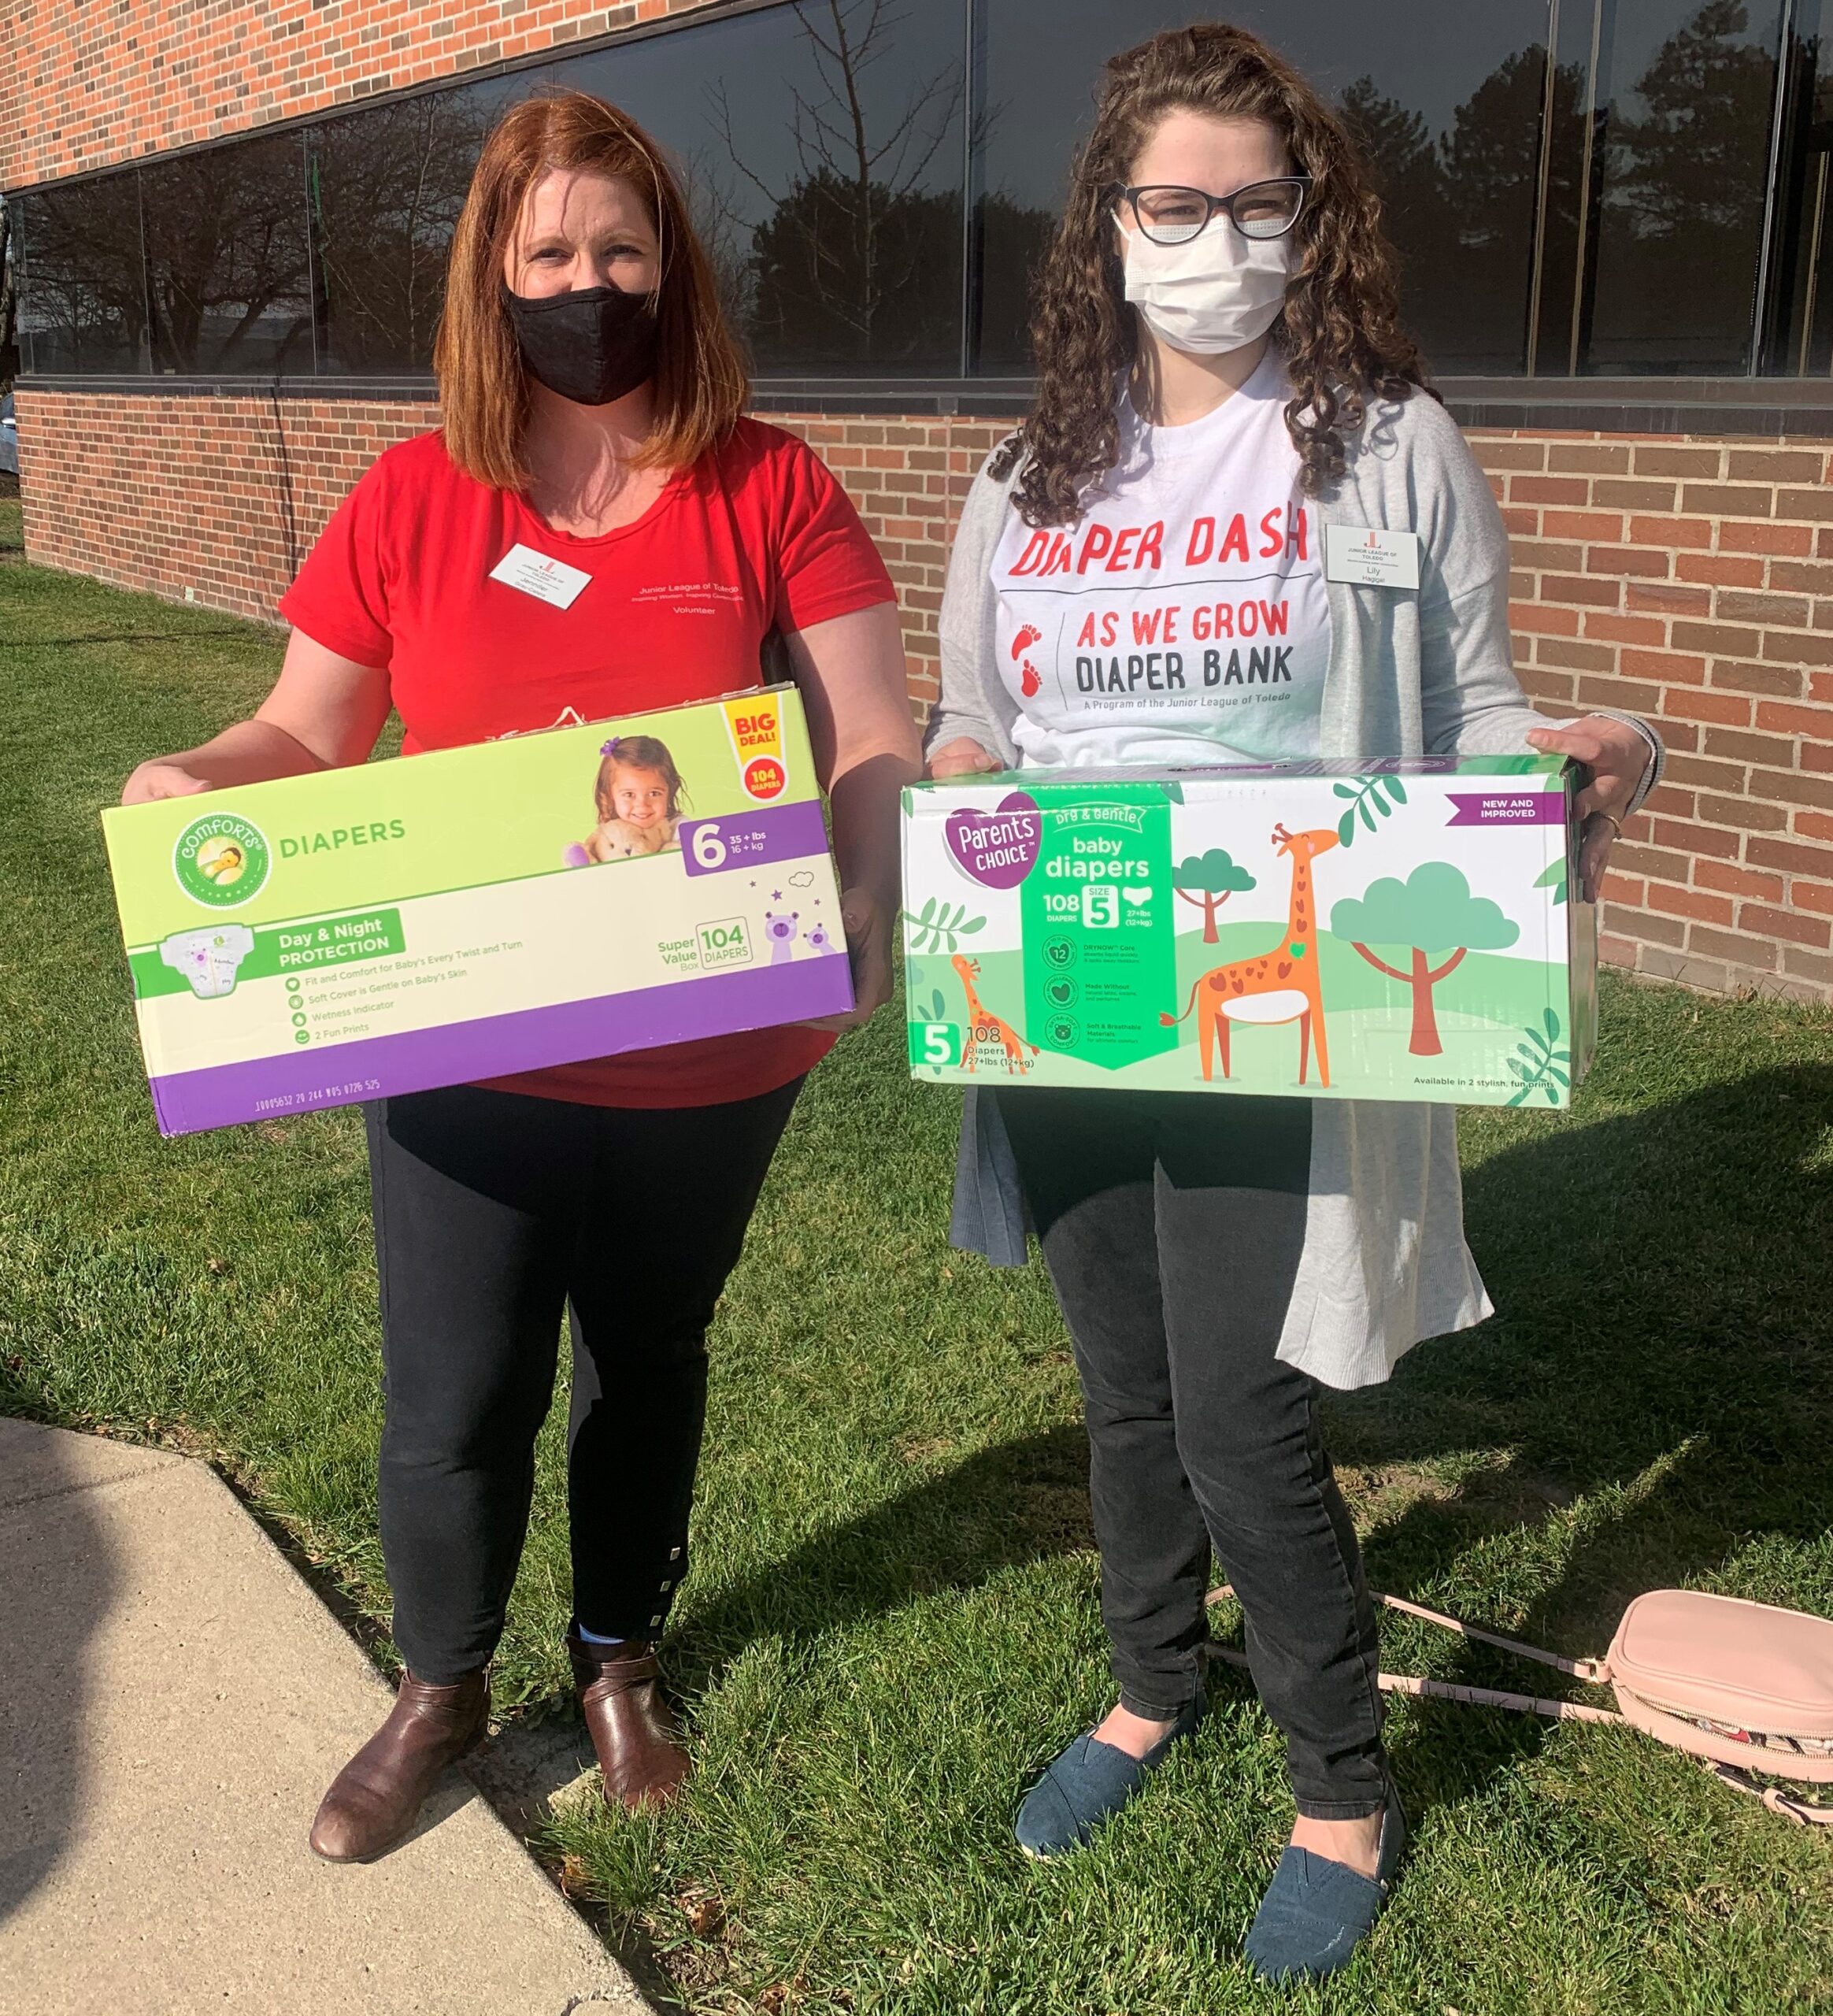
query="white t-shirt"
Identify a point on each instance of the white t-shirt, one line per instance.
(1182, 618)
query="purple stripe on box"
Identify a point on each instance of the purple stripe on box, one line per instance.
(1507, 807)
(496, 1046)
(751, 838)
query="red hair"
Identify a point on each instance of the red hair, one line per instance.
(701, 385)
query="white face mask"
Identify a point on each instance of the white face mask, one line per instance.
(1217, 292)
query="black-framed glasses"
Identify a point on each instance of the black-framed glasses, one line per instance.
(1170, 216)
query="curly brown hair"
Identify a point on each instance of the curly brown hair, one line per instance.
(1340, 331)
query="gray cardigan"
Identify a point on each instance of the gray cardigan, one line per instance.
(1411, 674)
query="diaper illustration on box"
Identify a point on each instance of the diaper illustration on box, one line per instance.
(207, 960)
(1283, 985)
(1413, 917)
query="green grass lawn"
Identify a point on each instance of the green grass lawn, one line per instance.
(892, 1621)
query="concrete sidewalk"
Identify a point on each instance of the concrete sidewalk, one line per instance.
(173, 1701)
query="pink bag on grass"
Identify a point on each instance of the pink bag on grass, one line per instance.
(1743, 1686)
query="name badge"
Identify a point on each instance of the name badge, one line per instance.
(1367, 559)
(539, 574)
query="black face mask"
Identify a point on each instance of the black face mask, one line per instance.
(590, 346)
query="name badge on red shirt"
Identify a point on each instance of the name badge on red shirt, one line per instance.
(539, 574)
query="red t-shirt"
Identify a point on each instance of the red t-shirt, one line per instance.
(756, 537)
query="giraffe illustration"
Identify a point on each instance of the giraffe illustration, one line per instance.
(1279, 986)
(983, 1023)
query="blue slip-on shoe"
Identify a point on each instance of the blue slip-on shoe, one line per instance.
(1089, 1784)
(1316, 1912)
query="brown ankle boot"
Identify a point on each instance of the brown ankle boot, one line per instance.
(638, 1745)
(377, 1796)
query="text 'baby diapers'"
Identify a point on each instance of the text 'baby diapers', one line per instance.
(472, 913)
(1399, 930)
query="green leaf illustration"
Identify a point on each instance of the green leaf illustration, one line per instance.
(1553, 877)
(1371, 798)
(1541, 1072)
(941, 930)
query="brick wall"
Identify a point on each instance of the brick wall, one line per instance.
(1691, 581)
(89, 82)
(216, 500)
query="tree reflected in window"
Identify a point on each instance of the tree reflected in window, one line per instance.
(851, 263)
(821, 145)
(876, 182)
(1448, 118)
(227, 272)
(385, 188)
(1681, 160)
(82, 299)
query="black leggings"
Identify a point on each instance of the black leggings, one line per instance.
(493, 1212)
(1173, 1226)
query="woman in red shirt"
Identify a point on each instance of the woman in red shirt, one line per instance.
(592, 398)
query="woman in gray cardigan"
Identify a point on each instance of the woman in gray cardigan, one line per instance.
(1223, 377)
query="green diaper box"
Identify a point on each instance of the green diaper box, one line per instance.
(470, 913)
(1399, 930)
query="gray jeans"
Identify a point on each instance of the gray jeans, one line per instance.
(1172, 1224)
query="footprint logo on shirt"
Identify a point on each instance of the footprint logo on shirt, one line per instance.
(1029, 683)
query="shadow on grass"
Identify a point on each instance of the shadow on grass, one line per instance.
(1657, 1382)
(115, 637)
(1017, 1502)
(1649, 1406)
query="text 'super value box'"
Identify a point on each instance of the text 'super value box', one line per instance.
(472, 913)
(1402, 930)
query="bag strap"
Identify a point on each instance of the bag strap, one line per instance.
(1778, 1803)
(1595, 1670)
(1475, 1697)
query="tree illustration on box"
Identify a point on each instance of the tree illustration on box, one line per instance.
(1432, 911)
(1208, 881)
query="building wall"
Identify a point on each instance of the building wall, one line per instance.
(217, 500)
(1690, 580)
(87, 83)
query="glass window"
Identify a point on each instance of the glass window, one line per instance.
(82, 289)
(226, 275)
(822, 146)
(1799, 330)
(1683, 109)
(385, 186)
(1448, 114)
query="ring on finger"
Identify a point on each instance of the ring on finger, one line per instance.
(1616, 823)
